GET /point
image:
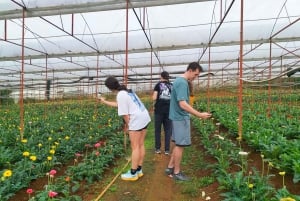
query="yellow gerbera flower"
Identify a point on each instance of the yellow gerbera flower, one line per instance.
(7, 173)
(282, 173)
(33, 158)
(24, 141)
(26, 153)
(287, 199)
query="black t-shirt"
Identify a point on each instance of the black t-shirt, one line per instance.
(162, 103)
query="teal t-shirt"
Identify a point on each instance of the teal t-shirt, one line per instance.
(180, 91)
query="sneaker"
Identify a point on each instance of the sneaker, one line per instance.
(140, 173)
(169, 172)
(129, 177)
(180, 177)
(167, 153)
(157, 151)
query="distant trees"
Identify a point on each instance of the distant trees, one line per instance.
(4, 96)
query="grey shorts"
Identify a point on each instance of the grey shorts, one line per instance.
(181, 132)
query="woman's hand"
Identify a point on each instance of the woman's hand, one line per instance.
(109, 103)
(125, 128)
(101, 99)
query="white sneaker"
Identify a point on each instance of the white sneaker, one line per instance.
(140, 173)
(129, 177)
(157, 151)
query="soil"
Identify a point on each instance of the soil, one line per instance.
(155, 185)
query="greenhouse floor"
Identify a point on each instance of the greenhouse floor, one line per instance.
(156, 186)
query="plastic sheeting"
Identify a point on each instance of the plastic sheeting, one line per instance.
(91, 43)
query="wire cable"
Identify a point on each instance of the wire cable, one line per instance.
(277, 18)
(149, 41)
(219, 26)
(273, 78)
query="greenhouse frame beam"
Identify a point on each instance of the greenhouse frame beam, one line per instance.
(147, 37)
(89, 7)
(144, 50)
(153, 65)
(146, 77)
(228, 82)
(215, 32)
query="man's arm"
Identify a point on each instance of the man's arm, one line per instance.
(185, 106)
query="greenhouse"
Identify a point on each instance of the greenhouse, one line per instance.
(55, 56)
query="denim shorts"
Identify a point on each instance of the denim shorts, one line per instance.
(181, 132)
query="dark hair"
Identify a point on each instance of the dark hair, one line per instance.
(194, 66)
(165, 75)
(113, 84)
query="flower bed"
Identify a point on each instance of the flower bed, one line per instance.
(275, 137)
(55, 134)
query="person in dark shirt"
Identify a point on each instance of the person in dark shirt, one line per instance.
(161, 96)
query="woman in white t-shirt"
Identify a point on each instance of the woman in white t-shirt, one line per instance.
(136, 118)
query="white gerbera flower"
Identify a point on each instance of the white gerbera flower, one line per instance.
(220, 137)
(243, 153)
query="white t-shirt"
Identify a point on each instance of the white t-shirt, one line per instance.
(130, 104)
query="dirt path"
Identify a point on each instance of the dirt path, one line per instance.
(153, 186)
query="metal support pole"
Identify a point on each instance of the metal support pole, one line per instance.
(21, 100)
(5, 30)
(208, 80)
(47, 90)
(240, 95)
(269, 77)
(126, 48)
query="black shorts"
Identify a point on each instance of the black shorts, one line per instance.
(141, 128)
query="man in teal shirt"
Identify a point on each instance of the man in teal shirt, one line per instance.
(179, 114)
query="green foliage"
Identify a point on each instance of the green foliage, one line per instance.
(54, 134)
(275, 136)
(5, 98)
(284, 193)
(245, 188)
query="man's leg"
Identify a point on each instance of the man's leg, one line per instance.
(177, 154)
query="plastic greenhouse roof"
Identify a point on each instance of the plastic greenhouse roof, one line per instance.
(78, 43)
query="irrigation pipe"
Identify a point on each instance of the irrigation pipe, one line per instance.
(112, 181)
(280, 75)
